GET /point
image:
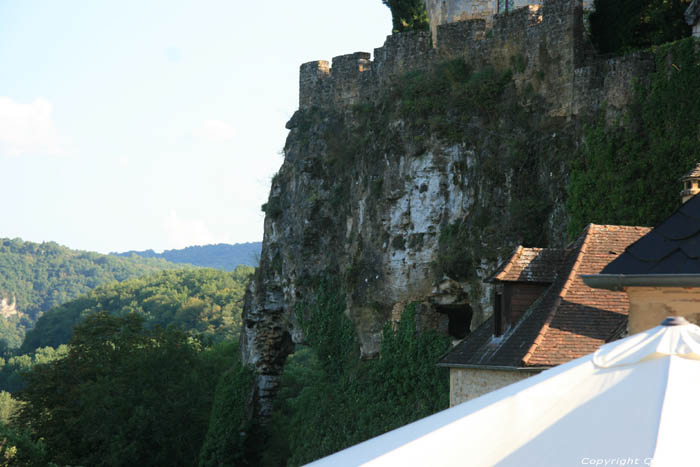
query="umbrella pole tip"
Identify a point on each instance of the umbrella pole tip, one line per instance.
(674, 321)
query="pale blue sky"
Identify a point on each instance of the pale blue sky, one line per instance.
(155, 124)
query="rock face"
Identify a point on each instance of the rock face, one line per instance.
(410, 177)
(7, 307)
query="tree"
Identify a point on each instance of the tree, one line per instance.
(124, 395)
(408, 15)
(203, 300)
(620, 25)
(231, 434)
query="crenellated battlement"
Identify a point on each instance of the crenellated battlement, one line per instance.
(542, 43)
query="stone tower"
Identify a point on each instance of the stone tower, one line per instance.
(450, 11)
(691, 184)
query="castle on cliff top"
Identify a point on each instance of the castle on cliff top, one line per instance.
(542, 42)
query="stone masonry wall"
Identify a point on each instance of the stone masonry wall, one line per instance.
(469, 383)
(543, 45)
(609, 82)
(519, 40)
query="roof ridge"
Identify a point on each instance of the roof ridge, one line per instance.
(562, 293)
(620, 226)
(517, 253)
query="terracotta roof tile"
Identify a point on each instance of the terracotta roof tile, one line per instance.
(569, 319)
(530, 265)
(695, 173)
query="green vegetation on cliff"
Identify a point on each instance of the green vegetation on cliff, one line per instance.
(629, 174)
(331, 399)
(514, 166)
(206, 301)
(231, 435)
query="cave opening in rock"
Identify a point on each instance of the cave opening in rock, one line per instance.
(459, 319)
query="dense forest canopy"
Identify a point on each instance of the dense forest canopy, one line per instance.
(125, 394)
(206, 301)
(39, 276)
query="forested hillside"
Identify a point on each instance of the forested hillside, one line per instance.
(219, 256)
(143, 359)
(122, 394)
(35, 277)
(205, 301)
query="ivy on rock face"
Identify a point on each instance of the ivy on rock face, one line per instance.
(630, 174)
(330, 399)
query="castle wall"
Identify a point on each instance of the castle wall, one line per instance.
(540, 44)
(610, 82)
(543, 45)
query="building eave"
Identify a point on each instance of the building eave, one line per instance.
(619, 282)
(493, 367)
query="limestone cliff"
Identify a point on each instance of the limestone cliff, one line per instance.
(8, 307)
(411, 176)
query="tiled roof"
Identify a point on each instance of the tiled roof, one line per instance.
(695, 173)
(569, 320)
(671, 248)
(530, 265)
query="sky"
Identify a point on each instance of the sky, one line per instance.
(129, 125)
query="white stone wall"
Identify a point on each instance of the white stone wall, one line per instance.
(470, 383)
(449, 11)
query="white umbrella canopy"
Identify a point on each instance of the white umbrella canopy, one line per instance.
(633, 402)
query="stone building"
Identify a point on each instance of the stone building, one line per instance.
(544, 314)
(692, 17)
(451, 11)
(691, 184)
(660, 273)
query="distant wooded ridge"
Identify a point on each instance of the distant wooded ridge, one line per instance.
(220, 256)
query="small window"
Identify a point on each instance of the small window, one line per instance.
(497, 314)
(505, 5)
(687, 185)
